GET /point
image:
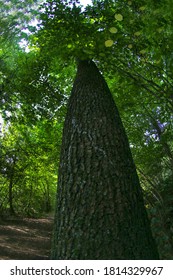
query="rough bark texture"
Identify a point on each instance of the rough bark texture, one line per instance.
(100, 210)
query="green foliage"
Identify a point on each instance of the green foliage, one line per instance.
(15, 15)
(29, 160)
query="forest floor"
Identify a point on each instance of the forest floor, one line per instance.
(25, 238)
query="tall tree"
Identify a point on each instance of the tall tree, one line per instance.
(100, 210)
(132, 44)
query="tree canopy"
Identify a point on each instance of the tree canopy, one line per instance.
(131, 42)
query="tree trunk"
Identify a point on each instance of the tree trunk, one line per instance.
(10, 187)
(100, 211)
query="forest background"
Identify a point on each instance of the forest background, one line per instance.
(131, 43)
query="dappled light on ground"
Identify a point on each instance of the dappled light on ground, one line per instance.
(25, 239)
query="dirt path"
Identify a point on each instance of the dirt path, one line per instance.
(25, 239)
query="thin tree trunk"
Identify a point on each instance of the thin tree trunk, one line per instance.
(10, 195)
(100, 211)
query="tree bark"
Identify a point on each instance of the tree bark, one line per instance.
(100, 211)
